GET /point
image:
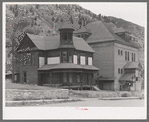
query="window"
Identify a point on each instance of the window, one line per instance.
(53, 60)
(121, 52)
(64, 57)
(75, 59)
(86, 60)
(128, 56)
(70, 57)
(89, 60)
(78, 78)
(125, 55)
(118, 52)
(82, 62)
(119, 71)
(78, 58)
(70, 77)
(65, 37)
(41, 61)
(64, 77)
(132, 57)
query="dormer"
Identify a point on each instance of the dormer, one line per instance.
(66, 35)
(83, 32)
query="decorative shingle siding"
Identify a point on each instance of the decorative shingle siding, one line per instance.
(31, 70)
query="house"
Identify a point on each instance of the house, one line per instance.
(60, 59)
(116, 54)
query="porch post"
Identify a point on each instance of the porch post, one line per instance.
(39, 79)
(81, 80)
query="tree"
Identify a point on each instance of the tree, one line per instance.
(52, 12)
(53, 19)
(99, 17)
(56, 20)
(14, 25)
(37, 6)
(61, 20)
(71, 20)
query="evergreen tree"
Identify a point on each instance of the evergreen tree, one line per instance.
(53, 19)
(99, 17)
(52, 13)
(56, 20)
(13, 26)
(61, 20)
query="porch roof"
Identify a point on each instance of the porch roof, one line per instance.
(132, 65)
(107, 78)
(127, 77)
(67, 66)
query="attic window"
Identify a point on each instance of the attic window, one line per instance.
(65, 37)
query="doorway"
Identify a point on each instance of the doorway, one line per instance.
(24, 76)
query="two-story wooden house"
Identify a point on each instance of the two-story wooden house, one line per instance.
(114, 51)
(60, 59)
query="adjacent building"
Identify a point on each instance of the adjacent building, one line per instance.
(116, 54)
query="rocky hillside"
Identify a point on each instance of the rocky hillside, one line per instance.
(42, 19)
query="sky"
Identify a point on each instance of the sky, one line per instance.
(130, 11)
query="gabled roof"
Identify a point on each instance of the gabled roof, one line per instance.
(67, 66)
(103, 32)
(132, 65)
(53, 42)
(127, 77)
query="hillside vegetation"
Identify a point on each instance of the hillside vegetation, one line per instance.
(45, 18)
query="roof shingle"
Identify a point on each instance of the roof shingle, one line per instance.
(53, 42)
(67, 66)
(102, 32)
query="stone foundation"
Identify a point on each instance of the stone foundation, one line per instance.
(15, 94)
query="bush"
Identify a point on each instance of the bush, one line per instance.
(125, 95)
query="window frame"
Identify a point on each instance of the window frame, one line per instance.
(65, 75)
(128, 56)
(125, 55)
(132, 57)
(119, 71)
(64, 57)
(121, 52)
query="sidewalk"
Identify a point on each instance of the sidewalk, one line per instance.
(120, 98)
(38, 102)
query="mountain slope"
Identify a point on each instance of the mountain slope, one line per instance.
(47, 17)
